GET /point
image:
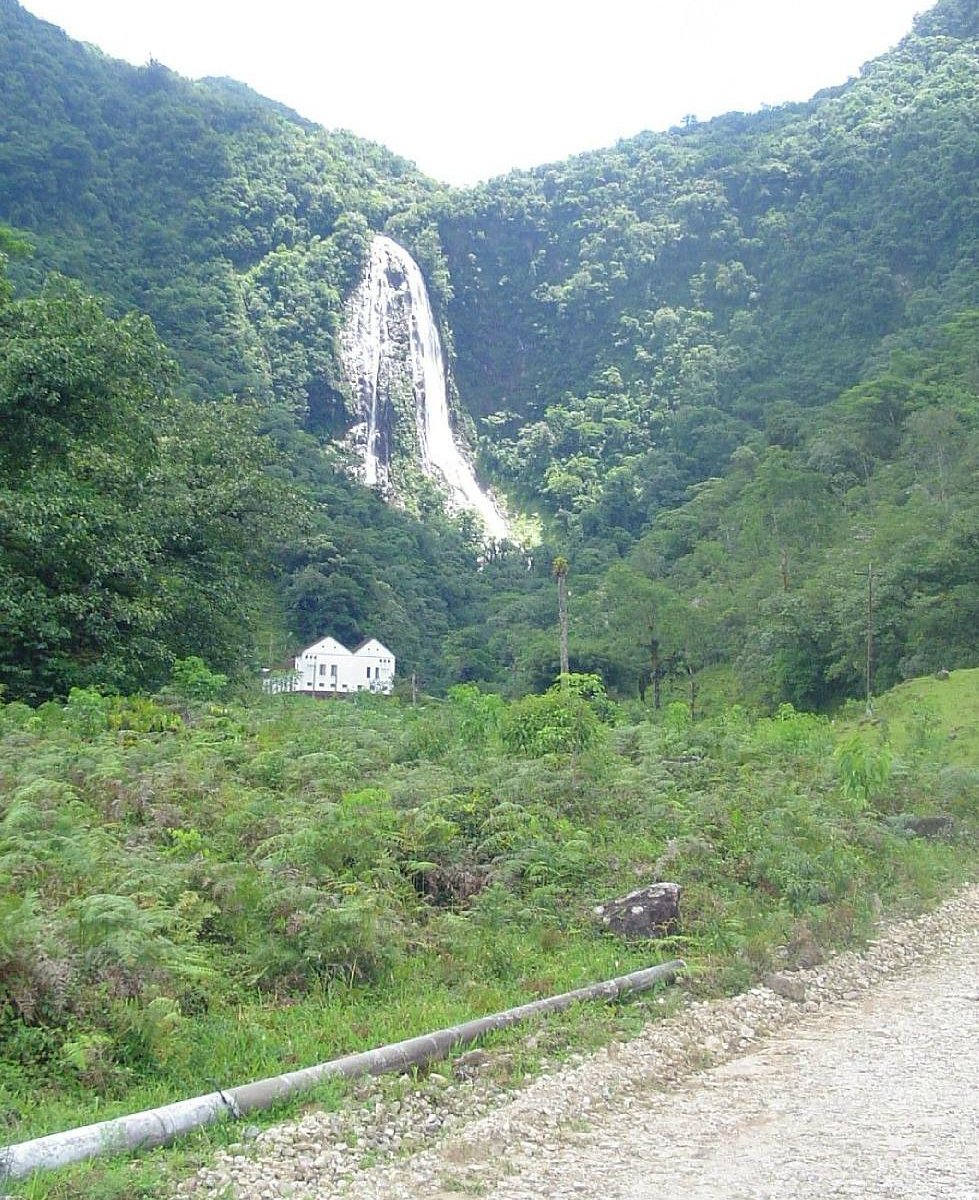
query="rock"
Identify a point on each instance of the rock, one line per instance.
(790, 987)
(804, 951)
(648, 912)
(929, 827)
(473, 1059)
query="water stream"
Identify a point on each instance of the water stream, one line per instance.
(392, 354)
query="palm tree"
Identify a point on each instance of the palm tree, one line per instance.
(559, 569)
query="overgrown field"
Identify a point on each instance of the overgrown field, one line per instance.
(195, 893)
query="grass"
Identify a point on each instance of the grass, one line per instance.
(275, 885)
(936, 717)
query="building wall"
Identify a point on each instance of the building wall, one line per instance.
(327, 666)
(374, 667)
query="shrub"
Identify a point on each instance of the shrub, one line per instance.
(86, 712)
(192, 679)
(863, 770)
(559, 722)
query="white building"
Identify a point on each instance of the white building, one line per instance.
(328, 667)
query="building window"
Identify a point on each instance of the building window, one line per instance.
(333, 672)
(322, 668)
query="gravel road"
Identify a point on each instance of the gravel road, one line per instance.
(859, 1077)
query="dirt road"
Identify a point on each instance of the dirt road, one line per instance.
(876, 1098)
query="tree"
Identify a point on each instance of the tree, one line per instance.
(134, 526)
(559, 569)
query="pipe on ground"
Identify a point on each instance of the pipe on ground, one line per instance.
(159, 1126)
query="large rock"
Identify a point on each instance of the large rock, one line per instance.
(930, 827)
(648, 912)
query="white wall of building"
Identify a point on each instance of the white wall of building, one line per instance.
(327, 666)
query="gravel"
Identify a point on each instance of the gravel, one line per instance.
(855, 1077)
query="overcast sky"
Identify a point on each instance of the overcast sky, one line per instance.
(471, 90)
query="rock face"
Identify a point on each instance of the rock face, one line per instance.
(648, 912)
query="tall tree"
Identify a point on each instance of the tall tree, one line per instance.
(559, 569)
(133, 525)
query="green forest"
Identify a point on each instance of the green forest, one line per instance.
(724, 370)
(726, 379)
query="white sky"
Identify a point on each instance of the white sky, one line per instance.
(471, 90)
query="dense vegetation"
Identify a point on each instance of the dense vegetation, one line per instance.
(233, 223)
(134, 526)
(195, 890)
(710, 360)
(139, 526)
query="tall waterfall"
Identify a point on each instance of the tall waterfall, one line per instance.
(392, 355)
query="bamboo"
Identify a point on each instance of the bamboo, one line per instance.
(160, 1126)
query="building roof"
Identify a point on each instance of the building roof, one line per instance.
(329, 645)
(379, 647)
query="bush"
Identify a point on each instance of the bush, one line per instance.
(192, 679)
(559, 722)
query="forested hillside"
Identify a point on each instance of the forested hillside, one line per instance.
(238, 227)
(650, 303)
(730, 366)
(233, 223)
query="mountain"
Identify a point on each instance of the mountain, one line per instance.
(220, 214)
(679, 288)
(717, 361)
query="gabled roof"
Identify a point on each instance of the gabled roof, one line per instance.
(326, 645)
(373, 646)
(329, 645)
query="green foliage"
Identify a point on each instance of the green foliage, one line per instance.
(134, 526)
(294, 879)
(792, 731)
(86, 711)
(558, 722)
(479, 713)
(863, 769)
(716, 370)
(234, 223)
(140, 714)
(192, 679)
(730, 366)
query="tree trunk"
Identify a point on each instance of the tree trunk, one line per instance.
(562, 612)
(655, 664)
(559, 570)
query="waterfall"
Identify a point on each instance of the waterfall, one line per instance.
(393, 358)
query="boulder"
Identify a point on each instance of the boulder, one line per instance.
(929, 827)
(648, 912)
